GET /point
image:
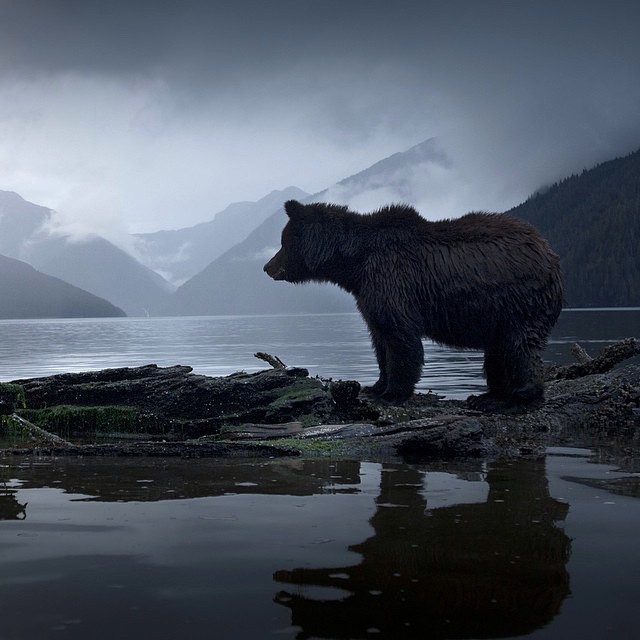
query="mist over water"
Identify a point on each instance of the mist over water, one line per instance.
(331, 346)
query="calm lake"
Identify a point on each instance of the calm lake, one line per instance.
(170, 549)
(332, 346)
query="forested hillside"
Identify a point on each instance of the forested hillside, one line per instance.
(592, 221)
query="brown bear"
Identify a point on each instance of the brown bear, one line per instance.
(483, 281)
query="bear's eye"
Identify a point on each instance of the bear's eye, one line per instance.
(286, 234)
(290, 236)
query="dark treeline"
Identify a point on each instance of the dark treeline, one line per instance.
(592, 221)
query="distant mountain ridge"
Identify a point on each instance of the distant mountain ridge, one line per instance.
(393, 171)
(93, 263)
(19, 221)
(27, 293)
(236, 283)
(182, 253)
(592, 220)
(98, 266)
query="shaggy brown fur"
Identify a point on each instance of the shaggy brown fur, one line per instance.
(483, 281)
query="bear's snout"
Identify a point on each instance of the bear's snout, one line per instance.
(275, 269)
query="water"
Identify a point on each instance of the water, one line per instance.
(332, 346)
(235, 549)
(316, 549)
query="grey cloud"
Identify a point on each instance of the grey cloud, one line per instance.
(177, 108)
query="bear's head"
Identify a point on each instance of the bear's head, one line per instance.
(313, 243)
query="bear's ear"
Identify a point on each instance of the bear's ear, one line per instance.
(294, 209)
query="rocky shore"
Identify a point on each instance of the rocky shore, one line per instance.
(170, 411)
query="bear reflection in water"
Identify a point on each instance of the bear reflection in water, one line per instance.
(496, 569)
(10, 508)
(483, 281)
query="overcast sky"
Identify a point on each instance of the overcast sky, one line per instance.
(149, 114)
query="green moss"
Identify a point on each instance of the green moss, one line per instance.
(66, 420)
(285, 399)
(303, 400)
(13, 395)
(12, 432)
(11, 392)
(309, 446)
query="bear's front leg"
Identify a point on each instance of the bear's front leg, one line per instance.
(379, 348)
(377, 388)
(495, 371)
(404, 357)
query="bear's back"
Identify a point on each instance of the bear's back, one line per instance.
(483, 227)
(476, 227)
(393, 217)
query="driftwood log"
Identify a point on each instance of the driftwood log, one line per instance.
(171, 411)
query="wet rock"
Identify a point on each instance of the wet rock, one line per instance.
(173, 410)
(465, 437)
(262, 431)
(171, 401)
(344, 392)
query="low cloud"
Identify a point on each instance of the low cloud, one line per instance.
(264, 254)
(139, 118)
(435, 189)
(87, 214)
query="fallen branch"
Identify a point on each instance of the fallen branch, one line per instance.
(580, 354)
(38, 433)
(609, 358)
(274, 361)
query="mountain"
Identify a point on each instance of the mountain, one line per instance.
(394, 177)
(180, 254)
(93, 264)
(100, 267)
(19, 220)
(236, 283)
(592, 220)
(27, 293)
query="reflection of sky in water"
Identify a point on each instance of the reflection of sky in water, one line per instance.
(67, 517)
(332, 345)
(76, 524)
(113, 564)
(446, 490)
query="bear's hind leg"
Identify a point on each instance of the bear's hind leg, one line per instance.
(524, 370)
(514, 377)
(528, 387)
(495, 371)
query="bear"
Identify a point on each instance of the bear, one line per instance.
(484, 281)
